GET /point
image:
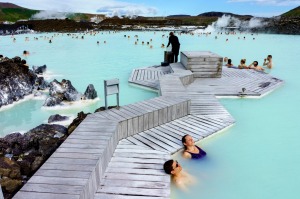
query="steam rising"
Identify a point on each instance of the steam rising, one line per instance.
(227, 21)
(50, 15)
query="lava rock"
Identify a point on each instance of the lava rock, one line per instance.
(41, 84)
(90, 92)
(52, 101)
(44, 138)
(39, 69)
(16, 81)
(80, 117)
(57, 118)
(10, 185)
(64, 90)
(71, 93)
(9, 168)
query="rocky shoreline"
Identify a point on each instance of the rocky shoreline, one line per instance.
(22, 154)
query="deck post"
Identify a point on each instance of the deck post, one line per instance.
(111, 87)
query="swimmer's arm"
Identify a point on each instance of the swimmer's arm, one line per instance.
(187, 155)
(265, 63)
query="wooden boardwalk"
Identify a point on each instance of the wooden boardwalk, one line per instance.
(119, 153)
(136, 168)
(149, 77)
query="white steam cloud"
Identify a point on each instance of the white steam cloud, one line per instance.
(50, 15)
(107, 7)
(128, 11)
(227, 21)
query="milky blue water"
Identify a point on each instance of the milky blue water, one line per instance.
(258, 157)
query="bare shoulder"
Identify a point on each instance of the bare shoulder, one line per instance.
(186, 155)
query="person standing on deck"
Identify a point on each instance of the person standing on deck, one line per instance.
(175, 45)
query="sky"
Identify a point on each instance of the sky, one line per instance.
(259, 8)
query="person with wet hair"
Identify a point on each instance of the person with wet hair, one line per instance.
(173, 40)
(191, 151)
(255, 66)
(229, 63)
(178, 176)
(268, 62)
(243, 64)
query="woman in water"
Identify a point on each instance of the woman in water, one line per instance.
(191, 151)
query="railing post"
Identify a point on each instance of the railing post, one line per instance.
(111, 87)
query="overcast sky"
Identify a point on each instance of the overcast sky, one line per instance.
(162, 7)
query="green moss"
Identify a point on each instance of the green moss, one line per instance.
(15, 14)
(292, 13)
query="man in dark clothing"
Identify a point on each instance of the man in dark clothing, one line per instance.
(175, 45)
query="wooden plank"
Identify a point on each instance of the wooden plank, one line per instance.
(57, 180)
(134, 191)
(150, 178)
(50, 188)
(136, 171)
(135, 165)
(157, 141)
(137, 160)
(114, 196)
(151, 151)
(35, 195)
(140, 154)
(149, 143)
(63, 173)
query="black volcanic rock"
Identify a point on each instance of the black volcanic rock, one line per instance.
(52, 101)
(57, 118)
(40, 84)
(39, 69)
(22, 155)
(64, 90)
(80, 117)
(16, 80)
(90, 92)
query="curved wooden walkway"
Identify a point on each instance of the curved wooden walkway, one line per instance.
(119, 153)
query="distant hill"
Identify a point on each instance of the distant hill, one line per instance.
(9, 5)
(220, 14)
(292, 13)
(170, 16)
(11, 12)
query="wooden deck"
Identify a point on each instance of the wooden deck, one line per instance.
(149, 76)
(136, 168)
(119, 153)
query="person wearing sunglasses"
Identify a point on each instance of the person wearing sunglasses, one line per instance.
(191, 151)
(179, 177)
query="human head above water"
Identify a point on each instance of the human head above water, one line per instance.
(187, 140)
(171, 33)
(169, 166)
